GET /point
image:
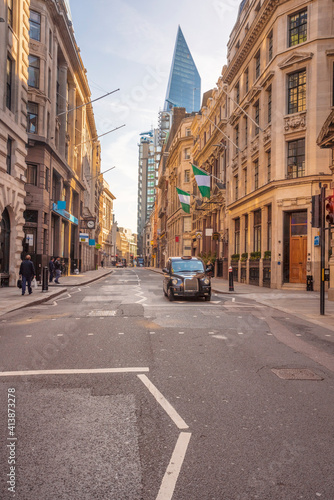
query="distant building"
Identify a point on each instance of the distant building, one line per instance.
(108, 246)
(184, 85)
(149, 157)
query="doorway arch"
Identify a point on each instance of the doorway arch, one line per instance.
(4, 242)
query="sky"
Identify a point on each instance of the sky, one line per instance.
(128, 45)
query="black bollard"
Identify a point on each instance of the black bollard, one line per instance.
(45, 279)
(230, 279)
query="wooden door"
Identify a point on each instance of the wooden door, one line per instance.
(298, 258)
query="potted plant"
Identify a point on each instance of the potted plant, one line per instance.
(255, 256)
(267, 255)
(244, 257)
(235, 256)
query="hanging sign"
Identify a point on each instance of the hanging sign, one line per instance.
(83, 237)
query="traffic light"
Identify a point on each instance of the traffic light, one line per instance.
(330, 209)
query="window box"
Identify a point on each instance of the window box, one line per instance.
(255, 256)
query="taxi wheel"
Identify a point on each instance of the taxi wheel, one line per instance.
(207, 298)
(165, 294)
(170, 295)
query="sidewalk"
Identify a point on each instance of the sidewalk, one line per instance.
(300, 303)
(11, 298)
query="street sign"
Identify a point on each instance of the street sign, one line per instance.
(317, 241)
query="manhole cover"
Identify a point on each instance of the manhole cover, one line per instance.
(296, 374)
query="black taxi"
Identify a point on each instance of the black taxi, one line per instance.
(186, 277)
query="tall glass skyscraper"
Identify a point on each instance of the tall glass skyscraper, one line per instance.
(184, 85)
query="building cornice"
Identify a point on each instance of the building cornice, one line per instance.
(250, 39)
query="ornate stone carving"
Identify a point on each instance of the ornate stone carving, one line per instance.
(244, 155)
(255, 146)
(294, 122)
(267, 134)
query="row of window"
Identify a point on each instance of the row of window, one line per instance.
(296, 101)
(295, 167)
(297, 33)
(257, 232)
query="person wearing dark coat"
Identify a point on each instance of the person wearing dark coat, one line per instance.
(27, 272)
(51, 269)
(57, 270)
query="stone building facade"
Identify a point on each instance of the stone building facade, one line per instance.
(63, 157)
(14, 46)
(108, 245)
(257, 133)
(280, 71)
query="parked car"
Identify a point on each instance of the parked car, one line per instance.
(119, 264)
(186, 277)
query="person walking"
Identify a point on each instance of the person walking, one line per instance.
(51, 269)
(210, 269)
(57, 265)
(27, 272)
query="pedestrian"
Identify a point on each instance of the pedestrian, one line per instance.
(27, 272)
(210, 268)
(102, 263)
(51, 269)
(57, 265)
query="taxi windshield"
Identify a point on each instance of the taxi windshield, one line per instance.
(187, 266)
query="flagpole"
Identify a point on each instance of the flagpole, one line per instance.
(242, 109)
(220, 130)
(86, 103)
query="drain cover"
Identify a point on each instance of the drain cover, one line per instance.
(296, 374)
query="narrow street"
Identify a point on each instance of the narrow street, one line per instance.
(123, 395)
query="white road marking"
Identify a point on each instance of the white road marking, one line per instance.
(233, 300)
(120, 333)
(216, 301)
(181, 333)
(90, 333)
(68, 296)
(28, 335)
(174, 467)
(54, 319)
(102, 313)
(152, 333)
(74, 371)
(60, 334)
(222, 337)
(240, 333)
(169, 409)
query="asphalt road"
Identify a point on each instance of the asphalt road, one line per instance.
(115, 393)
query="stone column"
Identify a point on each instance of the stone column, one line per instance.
(250, 244)
(62, 108)
(264, 227)
(71, 125)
